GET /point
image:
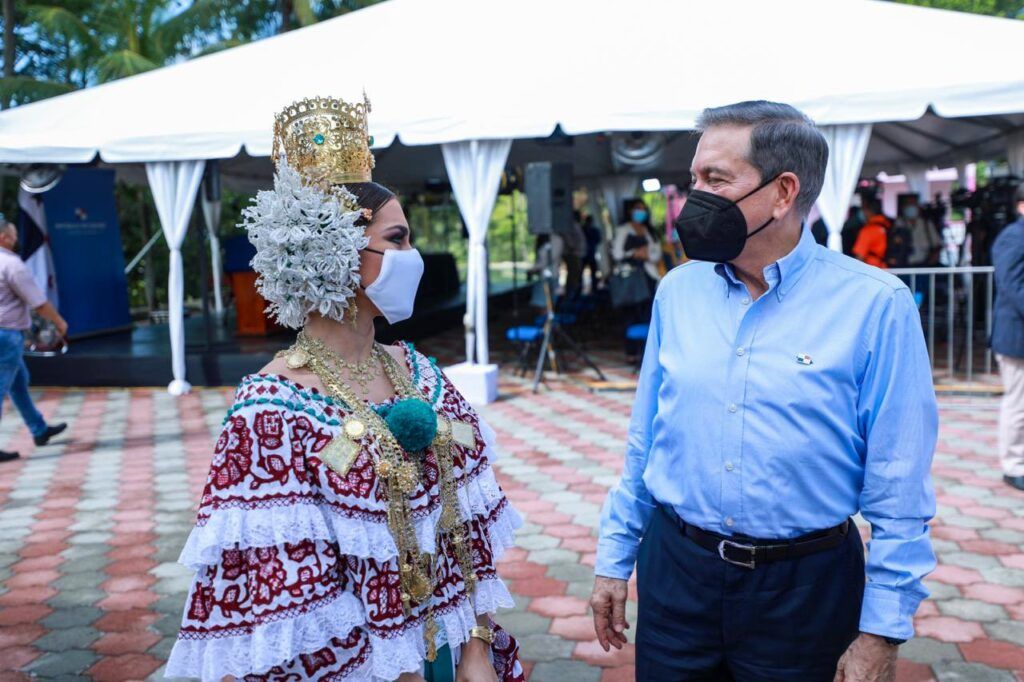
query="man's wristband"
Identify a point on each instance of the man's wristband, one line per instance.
(894, 641)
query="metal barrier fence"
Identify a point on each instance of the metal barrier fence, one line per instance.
(956, 312)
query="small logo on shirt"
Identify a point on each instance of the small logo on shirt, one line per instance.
(804, 359)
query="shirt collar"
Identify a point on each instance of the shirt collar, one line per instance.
(783, 273)
(793, 265)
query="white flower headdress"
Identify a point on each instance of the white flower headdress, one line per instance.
(307, 247)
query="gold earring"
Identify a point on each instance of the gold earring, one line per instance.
(354, 309)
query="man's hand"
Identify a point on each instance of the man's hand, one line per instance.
(869, 659)
(475, 665)
(609, 604)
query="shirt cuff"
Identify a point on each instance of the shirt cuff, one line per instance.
(888, 612)
(615, 559)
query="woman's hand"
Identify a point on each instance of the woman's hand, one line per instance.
(410, 677)
(475, 665)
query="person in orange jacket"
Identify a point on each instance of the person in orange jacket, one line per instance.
(873, 238)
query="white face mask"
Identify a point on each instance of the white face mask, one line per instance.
(394, 290)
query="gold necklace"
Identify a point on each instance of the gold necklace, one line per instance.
(401, 475)
(361, 373)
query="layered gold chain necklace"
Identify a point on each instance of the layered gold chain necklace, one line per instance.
(360, 373)
(396, 466)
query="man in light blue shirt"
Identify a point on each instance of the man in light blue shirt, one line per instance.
(784, 388)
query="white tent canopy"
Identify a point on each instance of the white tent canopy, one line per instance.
(445, 72)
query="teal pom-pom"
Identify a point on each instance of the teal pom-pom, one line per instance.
(413, 423)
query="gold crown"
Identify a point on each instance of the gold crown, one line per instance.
(326, 140)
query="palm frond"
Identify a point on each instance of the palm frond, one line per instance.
(122, 63)
(61, 21)
(220, 46)
(172, 33)
(304, 12)
(22, 89)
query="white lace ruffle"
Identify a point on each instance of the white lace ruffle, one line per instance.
(242, 528)
(281, 641)
(404, 653)
(270, 644)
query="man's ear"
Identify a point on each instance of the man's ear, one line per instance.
(789, 189)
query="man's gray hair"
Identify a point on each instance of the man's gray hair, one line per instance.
(782, 138)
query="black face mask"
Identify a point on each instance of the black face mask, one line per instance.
(712, 228)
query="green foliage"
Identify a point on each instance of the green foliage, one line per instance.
(66, 45)
(1011, 9)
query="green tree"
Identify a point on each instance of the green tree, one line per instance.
(1011, 9)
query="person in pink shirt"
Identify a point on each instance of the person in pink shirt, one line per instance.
(19, 296)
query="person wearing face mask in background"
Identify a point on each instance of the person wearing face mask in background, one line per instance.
(634, 245)
(784, 389)
(351, 519)
(872, 245)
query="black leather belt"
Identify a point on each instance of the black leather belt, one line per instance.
(750, 552)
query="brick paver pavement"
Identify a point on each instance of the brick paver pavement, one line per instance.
(91, 526)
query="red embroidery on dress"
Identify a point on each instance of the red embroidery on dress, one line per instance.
(235, 460)
(383, 591)
(266, 574)
(269, 428)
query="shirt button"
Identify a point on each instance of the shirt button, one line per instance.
(728, 521)
(740, 351)
(729, 466)
(733, 408)
(745, 301)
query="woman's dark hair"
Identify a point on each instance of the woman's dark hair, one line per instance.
(371, 195)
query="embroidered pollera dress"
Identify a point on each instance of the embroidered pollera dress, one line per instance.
(296, 576)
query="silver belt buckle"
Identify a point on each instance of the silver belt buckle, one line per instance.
(745, 564)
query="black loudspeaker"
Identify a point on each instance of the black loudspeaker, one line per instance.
(549, 197)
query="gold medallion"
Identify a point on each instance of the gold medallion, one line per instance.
(444, 429)
(339, 455)
(463, 434)
(419, 586)
(355, 429)
(297, 359)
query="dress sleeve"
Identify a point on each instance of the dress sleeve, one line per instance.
(270, 587)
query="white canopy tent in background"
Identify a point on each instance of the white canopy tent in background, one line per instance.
(466, 82)
(475, 168)
(174, 185)
(211, 217)
(847, 145)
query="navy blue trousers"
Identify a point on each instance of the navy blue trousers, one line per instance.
(701, 618)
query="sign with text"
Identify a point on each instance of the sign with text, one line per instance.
(88, 258)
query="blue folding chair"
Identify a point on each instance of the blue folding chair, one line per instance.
(527, 338)
(638, 332)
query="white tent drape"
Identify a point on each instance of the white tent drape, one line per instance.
(474, 170)
(917, 180)
(211, 215)
(174, 185)
(1015, 153)
(847, 145)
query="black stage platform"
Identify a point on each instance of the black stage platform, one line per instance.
(142, 356)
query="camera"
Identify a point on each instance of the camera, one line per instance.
(992, 203)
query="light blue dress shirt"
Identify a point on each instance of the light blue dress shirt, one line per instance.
(781, 416)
